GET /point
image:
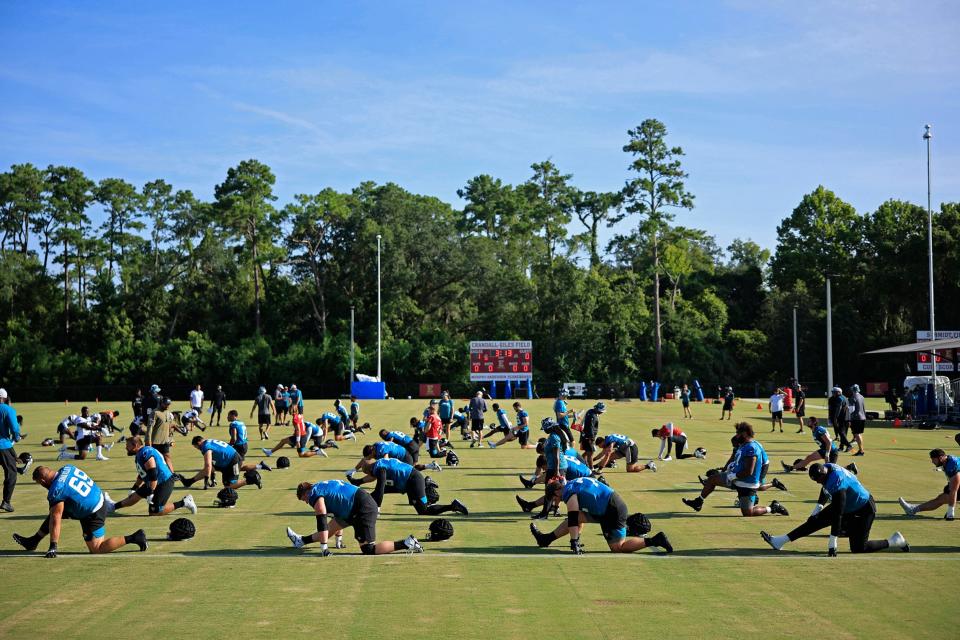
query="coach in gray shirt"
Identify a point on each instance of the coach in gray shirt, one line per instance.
(478, 407)
(858, 417)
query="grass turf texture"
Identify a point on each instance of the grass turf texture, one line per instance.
(240, 574)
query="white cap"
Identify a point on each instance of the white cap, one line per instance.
(3, 394)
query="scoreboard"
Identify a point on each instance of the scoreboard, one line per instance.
(501, 360)
(945, 357)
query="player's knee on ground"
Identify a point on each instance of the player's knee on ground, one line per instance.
(368, 548)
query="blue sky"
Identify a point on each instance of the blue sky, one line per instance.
(768, 99)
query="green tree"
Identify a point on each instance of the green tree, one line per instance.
(594, 209)
(122, 203)
(652, 196)
(21, 205)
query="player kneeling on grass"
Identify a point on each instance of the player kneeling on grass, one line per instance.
(590, 501)
(220, 456)
(671, 435)
(745, 475)
(616, 446)
(851, 513)
(301, 435)
(951, 469)
(405, 441)
(576, 468)
(155, 481)
(72, 494)
(394, 476)
(519, 432)
(350, 507)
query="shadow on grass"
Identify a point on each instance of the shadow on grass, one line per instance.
(479, 489)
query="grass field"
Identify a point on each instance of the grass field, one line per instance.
(240, 576)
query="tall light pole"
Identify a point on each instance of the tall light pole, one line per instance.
(379, 378)
(829, 340)
(796, 366)
(933, 334)
(352, 361)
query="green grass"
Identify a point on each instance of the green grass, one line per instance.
(240, 576)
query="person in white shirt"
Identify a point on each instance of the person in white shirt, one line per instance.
(196, 399)
(776, 410)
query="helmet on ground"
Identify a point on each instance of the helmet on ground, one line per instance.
(433, 496)
(283, 462)
(440, 529)
(226, 498)
(638, 525)
(700, 452)
(182, 529)
(452, 459)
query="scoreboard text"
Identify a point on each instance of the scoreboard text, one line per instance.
(501, 360)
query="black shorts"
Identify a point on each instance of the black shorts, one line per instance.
(413, 449)
(476, 424)
(241, 449)
(445, 422)
(297, 442)
(631, 453)
(946, 488)
(231, 472)
(831, 456)
(727, 407)
(523, 437)
(263, 419)
(856, 426)
(777, 415)
(281, 405)
(337, 428)
(588, 442)
(613, 524)
(93, 526)
(801, 412)
(160, 497)
(744, 491)
(363, 518)
(85, 442)
(416, 488)
(162, 449)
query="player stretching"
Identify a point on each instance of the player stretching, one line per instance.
(72, 494)
(951, 469)
(405, 441)
(851, 513)
(155, 481)
(590, 501)
(394, 476)
(672, 435)
(616, 446)
(350, 507)
(220, 456)
(744, 476)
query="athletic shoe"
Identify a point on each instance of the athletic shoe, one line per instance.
(908, 508)
(109, 503)
(107, 447)
(543, 515)
(897, 540)
(817, 508)
(267, 452)
(525, 505)
(332, 444)
(779, 509)
(189, 503)
(412, 544)
(527, 484)
(349, 436)
(459, 507)
(338, 544)
(433, 466)
(6, 506)
(696, 504)
(102, 458)
(322, 453)
(23, 542)
(543, 539)
(295, 538)
(786, 467)
(492, 445)
(599, 478)
(652, 466)
(139, 538)
(667, 459)
(65, 455)
(852, 468)
(473, 443)
(779, 485)
(660, 540)
(264, 466)
(859, 453)
(768, 539)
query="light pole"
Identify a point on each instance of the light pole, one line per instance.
(796, 366)
(379, 378)
(829, 340)
(351, 350)
(933, 334)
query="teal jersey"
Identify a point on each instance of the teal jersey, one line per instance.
(332, 418)
(9, 427)
(223, 454)
(445, 409)
(818, 432)
(399, 437)
(839, 479)
(751, 450)
(354, 409)
(311, 430)
(576, 468)
(146, 453)
(502, 419)
(397, 471)
(392, 449)
(523, 421)
(238, 431)
(342, 413)
(551, 448)
(592, 496)
(951, 467)
(80, 495)
(338, 497)
(617, 440)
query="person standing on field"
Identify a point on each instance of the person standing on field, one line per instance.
(196, 399)
(217, 404)
(775, 406)
(685, 401)
(9, 436)
(801, 405)
(478, 407)
(858, 417)
(263, 405)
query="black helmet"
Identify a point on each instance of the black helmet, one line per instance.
(452, 459)
(226, 498)
(440, 529)
(433, 496)
(182, 529)
(638, 525)
(283, 462)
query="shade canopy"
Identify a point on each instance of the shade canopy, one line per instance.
(929, 345)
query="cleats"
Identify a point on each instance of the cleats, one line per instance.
(852, 468)
(321, 452)
(779, 509)
(295, 538)
(264, 466)
(652, 466)
(6, 506)
(527, 483)
(908, 508)
(349, 436)
(786, 467)
(696, 504)
(459, 507)
(24, 542)
(769, 540)
(267, 452)
(779, 485)
(190, 503)
(412, 545)
(433, 466)
(102, 458)
(897, 540)
(525, 505)
(109, 503)
(139, 538)
(543, 539)
(660, 540)
(492, 445)
(667, 459)
(332, 444)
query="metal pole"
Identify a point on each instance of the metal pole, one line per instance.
(829, 340)
(379, 378)
(796, 366)
(927, 135)
(352, 356)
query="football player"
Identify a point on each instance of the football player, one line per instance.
(588, 500)
(405, 441)
(670, 435)
(850, 513)
(616, 446)
(379, 450)
(72, 494)
(951, 469)
(155, 481)
(350, 507)
(220, 456)
(394, 476)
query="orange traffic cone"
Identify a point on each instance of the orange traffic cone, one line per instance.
(759, 407)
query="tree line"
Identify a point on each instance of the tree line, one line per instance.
(245, 289)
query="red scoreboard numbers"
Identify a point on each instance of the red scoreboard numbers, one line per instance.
(501, 360)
